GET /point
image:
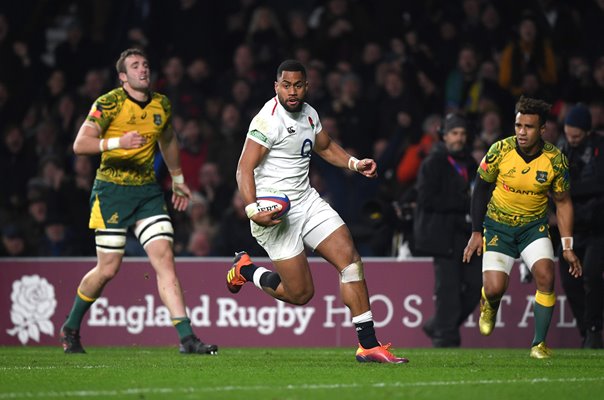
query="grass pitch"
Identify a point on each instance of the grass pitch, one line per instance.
(297, 373)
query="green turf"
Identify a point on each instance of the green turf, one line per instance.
(311, 373)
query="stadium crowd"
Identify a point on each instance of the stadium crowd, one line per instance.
(382, 74)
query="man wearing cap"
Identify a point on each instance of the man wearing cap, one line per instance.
(585, 152)
(441, 227)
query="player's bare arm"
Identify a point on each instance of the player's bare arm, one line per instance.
(333, 153)
(88, 141)
(565, 217)
(168, 145)
(251, 156)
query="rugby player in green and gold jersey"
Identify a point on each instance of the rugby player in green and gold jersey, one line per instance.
(125, 126)
(524, 170)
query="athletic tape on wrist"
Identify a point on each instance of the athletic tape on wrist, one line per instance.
(251, 210)
(113, 143)
(101, 145)
(178, 178)
(567, 243)
(355, 164)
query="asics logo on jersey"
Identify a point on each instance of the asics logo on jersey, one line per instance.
(527, 169)
(290, 129)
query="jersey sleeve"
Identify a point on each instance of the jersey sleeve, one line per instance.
(489, 166)
(262, 131)
(167, 106)
(104, 110)
(561, 182)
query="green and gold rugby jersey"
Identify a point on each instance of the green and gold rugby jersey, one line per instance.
(116, 113)
(521, 188)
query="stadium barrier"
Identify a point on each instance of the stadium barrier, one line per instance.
(37, 294)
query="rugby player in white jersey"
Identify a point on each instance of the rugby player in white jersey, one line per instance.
(276, 156)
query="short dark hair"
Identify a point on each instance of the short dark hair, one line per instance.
(291, 65)
(120, 64)
(527, 105)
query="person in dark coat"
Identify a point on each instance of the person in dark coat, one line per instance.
(441, 228)
(585, 151)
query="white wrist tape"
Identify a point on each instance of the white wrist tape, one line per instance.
(567, 243)
(113, 143)
(178, 178)
(353, 164)
(251, 210)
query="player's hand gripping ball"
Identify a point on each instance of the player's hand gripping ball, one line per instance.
(273, 200)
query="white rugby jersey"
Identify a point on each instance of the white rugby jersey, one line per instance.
(290, 138)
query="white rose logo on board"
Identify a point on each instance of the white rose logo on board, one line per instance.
(34, 304)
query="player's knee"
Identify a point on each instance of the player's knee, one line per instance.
(110, 241)
(352, 273)
(302, 297)
(154, 228)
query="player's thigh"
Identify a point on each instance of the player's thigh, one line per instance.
(338, 248)
(295, 274)
(534, 243)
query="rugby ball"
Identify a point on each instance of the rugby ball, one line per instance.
(272, 200)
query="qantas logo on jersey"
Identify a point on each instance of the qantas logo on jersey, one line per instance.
(508, 188)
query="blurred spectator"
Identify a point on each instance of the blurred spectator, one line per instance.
(214, 189)
(266, 37)
(578, 83)
(13, 242)
(201, 77)
(185, 101)
(197, 217)
(441, 228)
(199, 244)
(57, 240)
(18, 163)
(530, 52)
(462, 89)
(34, 221)
(408, 166)
(76, 55)
(355, 115)
(585, 152)
(226, 147)
(341, 27)
(491, 37)
(193, 153)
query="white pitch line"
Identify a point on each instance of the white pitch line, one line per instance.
(27, 368)
(138, 391)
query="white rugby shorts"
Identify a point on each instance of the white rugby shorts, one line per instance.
(309, 221)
